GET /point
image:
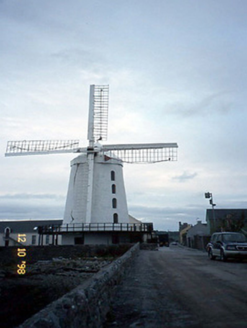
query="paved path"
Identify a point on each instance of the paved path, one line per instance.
(181, 288)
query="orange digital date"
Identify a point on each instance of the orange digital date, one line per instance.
(21, 268)
(21, 252)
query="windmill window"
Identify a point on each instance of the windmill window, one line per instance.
(113, 188)
(115, 218)
(112, 175)
(114, 203)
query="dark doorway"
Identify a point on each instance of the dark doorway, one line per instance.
(79, 240)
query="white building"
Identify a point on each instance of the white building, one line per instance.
(33, 232)
(198, 235)
(25, 232)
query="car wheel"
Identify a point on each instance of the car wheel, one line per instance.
(222, 256)
(210, 255)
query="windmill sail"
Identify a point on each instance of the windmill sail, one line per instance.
(142, 153)
(98, 113)
(39, 147)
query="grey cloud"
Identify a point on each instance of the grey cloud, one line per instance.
(168, 218)
(185, 176)
(167, 211)
(219, 102)
(26, 206)
(26, 211)
(77, 56)
(27, 196)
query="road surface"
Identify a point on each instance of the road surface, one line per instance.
(177, 287)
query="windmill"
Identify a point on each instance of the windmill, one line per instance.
(96, 192)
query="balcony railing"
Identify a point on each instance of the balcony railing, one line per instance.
(95, 227)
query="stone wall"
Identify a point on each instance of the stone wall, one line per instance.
(8, 255)
(87, 305)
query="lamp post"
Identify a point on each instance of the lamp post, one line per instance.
(209, 196)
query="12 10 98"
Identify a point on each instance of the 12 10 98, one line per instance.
(21, 254)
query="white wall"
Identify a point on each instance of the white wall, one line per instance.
(102, 209)
(28, 237)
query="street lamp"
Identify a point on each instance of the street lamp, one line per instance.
(209, 196)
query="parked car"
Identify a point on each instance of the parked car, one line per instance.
(227, 245)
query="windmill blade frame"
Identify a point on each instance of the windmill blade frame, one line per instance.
(98, 113)
(41, 147)
(142, 153)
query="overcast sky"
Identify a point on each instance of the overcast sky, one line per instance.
(177, 72)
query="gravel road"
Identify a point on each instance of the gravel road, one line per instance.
(180, 287)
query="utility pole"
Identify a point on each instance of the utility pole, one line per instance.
(209, 196)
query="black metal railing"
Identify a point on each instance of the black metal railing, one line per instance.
(95, 227)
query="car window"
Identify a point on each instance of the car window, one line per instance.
(216, 238)
(238, 237)
(213, 239)
(219, 238)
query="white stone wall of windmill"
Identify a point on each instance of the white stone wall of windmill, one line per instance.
(96, 198)
(109, 203)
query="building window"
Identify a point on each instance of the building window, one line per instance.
(47, 239)
(114, 203)
(113, 188)
(33, 239)
(115, 218)
(112, 175)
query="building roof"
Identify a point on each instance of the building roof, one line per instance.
(25, 226)
(222, 213)
(133, 220)
(200, 229)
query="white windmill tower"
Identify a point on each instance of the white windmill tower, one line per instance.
(96, 192)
